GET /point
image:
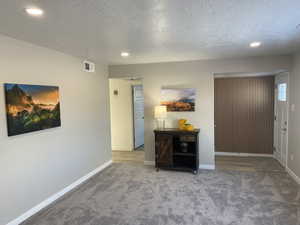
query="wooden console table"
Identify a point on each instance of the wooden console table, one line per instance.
(176, 149)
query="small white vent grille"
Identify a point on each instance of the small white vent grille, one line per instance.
(89, 66)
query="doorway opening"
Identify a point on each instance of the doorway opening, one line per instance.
(127, 119)
(251, 119)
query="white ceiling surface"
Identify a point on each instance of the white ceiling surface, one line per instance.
(156, 30)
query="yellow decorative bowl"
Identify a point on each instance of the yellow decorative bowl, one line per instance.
(189, 127)
(181, 124)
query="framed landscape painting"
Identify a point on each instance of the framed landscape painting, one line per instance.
(178, 99)
(31, 108)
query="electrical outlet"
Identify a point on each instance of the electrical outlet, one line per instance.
(292, 157)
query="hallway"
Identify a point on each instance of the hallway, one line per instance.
(128, 156)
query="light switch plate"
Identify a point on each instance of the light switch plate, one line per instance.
(293, 107)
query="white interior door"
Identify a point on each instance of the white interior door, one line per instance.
(281, 118)
(138, 115)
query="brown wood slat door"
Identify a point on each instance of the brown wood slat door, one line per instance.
(223, 115)
(164, 150)
(244, 115)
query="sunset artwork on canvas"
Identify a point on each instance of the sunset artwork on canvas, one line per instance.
(178, 99)
(31, 108)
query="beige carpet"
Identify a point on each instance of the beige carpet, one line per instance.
(132, 194)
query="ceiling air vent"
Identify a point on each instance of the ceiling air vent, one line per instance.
(89, 66)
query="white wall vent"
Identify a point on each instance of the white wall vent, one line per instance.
(89, 66)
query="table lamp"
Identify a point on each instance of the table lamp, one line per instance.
(160, 113)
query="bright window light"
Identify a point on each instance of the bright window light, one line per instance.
(282, 92)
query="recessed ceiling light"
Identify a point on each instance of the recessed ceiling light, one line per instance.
(34, 11)
(125, 54)
(255, 44)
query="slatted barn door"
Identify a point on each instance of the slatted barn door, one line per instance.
(164, 150)
(244, 115)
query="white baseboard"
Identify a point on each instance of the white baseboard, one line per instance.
(243, 154)
(207, 166)
(293, 175)
(56, 196)
(149, 163)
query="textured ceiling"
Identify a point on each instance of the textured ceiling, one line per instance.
(156, 30)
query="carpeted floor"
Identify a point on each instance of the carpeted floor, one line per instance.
(132, 194)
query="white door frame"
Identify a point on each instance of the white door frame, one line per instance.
(284, 164)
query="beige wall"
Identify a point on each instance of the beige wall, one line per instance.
(121, 114)
(197, 74)
(294, 118)
(36, 165)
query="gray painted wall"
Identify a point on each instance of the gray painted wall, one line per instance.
(294, 118)
(36, 165)
(197, 74)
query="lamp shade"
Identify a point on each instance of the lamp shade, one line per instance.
(160, 112)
